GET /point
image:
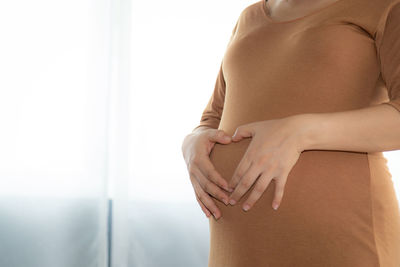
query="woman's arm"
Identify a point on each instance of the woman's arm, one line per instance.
(276, 144)
(371, 129)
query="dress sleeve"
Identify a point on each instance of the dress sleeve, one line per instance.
(211, 115)
(388, 49)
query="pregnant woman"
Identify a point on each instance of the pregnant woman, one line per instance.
(288, 153)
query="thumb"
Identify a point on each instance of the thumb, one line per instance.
(220, 136)
(243, 131)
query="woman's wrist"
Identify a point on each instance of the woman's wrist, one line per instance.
(306, 128)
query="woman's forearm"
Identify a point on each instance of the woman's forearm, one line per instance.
(371, 129)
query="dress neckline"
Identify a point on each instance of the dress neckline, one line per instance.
(318, 10)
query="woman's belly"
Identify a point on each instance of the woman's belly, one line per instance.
(325, 210)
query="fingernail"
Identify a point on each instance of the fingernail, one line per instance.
(246, 207)
(225, 201)
(275, 206)
(232, 202)
(215, 216)
(228, 189)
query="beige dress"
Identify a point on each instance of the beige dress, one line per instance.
(339, 207)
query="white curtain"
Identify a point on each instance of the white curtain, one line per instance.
(54, 113)
(96, 97)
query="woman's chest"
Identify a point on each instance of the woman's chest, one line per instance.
(333, 47)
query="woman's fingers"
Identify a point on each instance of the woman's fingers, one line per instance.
(204, 208)
(243, 131)
(245, 183)
(219, 136)
(205, 198)
(243, 166)
(279, 190)
(259, 188)
(209, 171)
(210, 187)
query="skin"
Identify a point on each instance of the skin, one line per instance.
(274, 149)
(281, 10)
(276, 146)
(205, 179)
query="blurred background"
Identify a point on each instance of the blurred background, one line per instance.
(96, 97)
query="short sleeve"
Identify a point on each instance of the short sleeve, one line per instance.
(388, 48)
(212, 113)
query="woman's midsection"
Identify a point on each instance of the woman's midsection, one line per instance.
(326, 185)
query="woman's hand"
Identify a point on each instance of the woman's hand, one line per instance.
(274, 149)
(196, 149)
